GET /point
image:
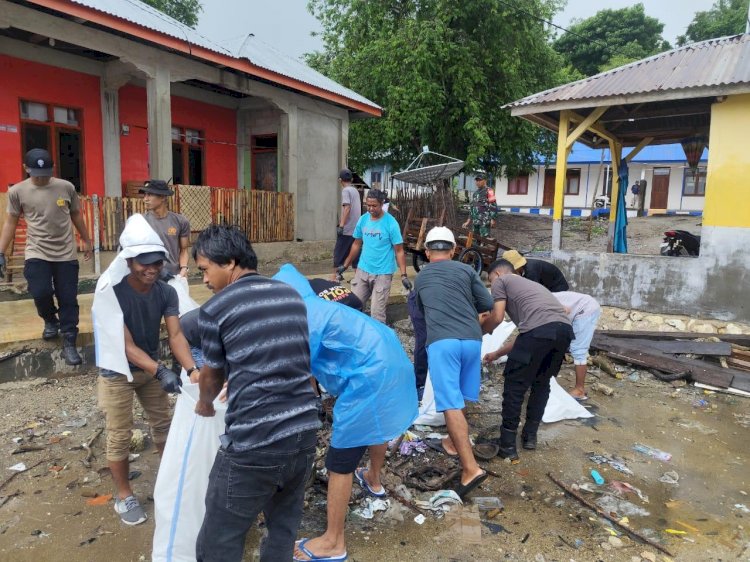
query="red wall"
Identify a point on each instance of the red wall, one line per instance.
(32, 81)
(218, 124)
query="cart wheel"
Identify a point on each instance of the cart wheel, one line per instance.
(473, 258)
(418, 260)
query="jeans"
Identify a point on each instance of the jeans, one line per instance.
(270, 479)
(536, 357)
(420, 338)
(583, 328)
(49, 279)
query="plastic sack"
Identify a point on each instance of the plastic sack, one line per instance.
(109, 333)
(428, 414)
(360, 361)
(562, 406)
(180, 491)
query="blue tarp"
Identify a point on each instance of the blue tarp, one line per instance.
(361, 362)
(620, 242)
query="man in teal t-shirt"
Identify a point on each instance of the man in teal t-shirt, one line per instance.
(378, 237)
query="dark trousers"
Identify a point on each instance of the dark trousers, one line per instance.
(536, 357)
(241, 485)
(49, 279)
(341, 250)
(420, 338)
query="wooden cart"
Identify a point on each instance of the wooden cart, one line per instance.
(477, 251)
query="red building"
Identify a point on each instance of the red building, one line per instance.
(126, 94)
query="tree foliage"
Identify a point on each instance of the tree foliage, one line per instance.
(441, 70)
(726, 17)
(185, 11)
(594, 44)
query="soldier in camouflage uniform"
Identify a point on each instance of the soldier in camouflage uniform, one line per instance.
(483, 212)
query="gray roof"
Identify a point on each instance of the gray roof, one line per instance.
(254, 50)
(709, 68)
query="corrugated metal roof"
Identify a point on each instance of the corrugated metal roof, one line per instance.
(713, 63)
(582, 154)
(254, 50)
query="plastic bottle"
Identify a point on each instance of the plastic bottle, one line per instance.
(597, 477)
(651, 452)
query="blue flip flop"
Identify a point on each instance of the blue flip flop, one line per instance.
(310, 556)
(359, 474)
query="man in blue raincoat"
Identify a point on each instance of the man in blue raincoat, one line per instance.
(373, 382)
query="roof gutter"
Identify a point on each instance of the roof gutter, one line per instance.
(183, 46)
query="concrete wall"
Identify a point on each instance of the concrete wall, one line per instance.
(714, 284)
(319, 148)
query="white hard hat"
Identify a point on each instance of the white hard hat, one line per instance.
(440, 238)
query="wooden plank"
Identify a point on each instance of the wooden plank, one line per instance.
(741, 383)
(722, 349)
(741, 339)
(741, 364)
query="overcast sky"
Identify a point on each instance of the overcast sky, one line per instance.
(287, 25)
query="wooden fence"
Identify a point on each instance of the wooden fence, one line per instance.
(263, 216)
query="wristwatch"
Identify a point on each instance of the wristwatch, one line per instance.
(186, 268)
(191, 369)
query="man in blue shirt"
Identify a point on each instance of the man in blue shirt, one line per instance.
(378, 237)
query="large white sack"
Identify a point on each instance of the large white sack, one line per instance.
(106, 316)
(428, 415)
(562, 406)
(180, 491)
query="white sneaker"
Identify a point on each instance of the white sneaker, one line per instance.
(130, 511)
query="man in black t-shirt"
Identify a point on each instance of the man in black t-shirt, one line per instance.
(144, 301)
(543, 272)
(335, 292)
(254, 335)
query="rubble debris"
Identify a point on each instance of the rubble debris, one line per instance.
(630, 532)
(603, 388)
(137, 441)
(614, 463)
(370, 506)
(652, 452)
(604, 364)
(624, 488)
(623, 508)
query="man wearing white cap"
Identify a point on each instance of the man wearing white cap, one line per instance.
(451, 295)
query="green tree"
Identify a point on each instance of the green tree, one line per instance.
(593, 44)
(726, 17)
(185, 11)
(441, 69)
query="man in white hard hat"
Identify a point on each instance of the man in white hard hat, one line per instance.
(451, 295)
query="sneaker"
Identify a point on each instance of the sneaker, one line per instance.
(130, 511)
(51, 328)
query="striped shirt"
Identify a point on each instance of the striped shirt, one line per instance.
(256, 331)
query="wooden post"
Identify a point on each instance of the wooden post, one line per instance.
(561, 173)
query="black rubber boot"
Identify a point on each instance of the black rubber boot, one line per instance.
(51, 329)
(528, 435)
(69, 351)
(507, 445)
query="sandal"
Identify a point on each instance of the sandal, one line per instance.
(359, 474)
(464, 490)
(310, 556)
(437, 445)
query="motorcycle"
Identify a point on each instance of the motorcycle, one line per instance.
(680, 243)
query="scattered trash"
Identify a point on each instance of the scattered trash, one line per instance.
(650, 556)
(624, 488)
(408, 448)
(81, 422)
(675, 532)
(19, 467)
(133, 474)
(701, 403)
(132, 457)
(66, 433)
(670, 477)
(370, 506)
(634, 377)
(617, 465)
(603, 362)
(651, 452)
(597, 477)
(742, 507)
(488, 503)
(611, 504)
(17, 440)
(603, 388)
(99, 500)
(615, 542)
(137, 441)
(419, 519)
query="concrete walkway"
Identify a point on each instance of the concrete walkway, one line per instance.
(21, 323)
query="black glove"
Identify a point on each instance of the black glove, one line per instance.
(3, 265)
(339, 230)
(406, 283)
(340, 272)
(168, 379)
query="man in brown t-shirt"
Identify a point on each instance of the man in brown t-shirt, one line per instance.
(49, 205)
(172, 228)
(536, 355)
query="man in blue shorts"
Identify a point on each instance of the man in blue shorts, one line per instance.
(451, 295)
(378, 236)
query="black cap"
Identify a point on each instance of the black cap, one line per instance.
(39, 162)
(156, 187)
(480, 175)
(346, 175)
(147, 258)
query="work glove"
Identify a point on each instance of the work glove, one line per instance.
(168, 379)
(339, 230)
(340, 272)
(406, 283)
(3, 265)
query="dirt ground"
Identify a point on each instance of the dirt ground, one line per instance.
(533, 233)
(45, 514)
